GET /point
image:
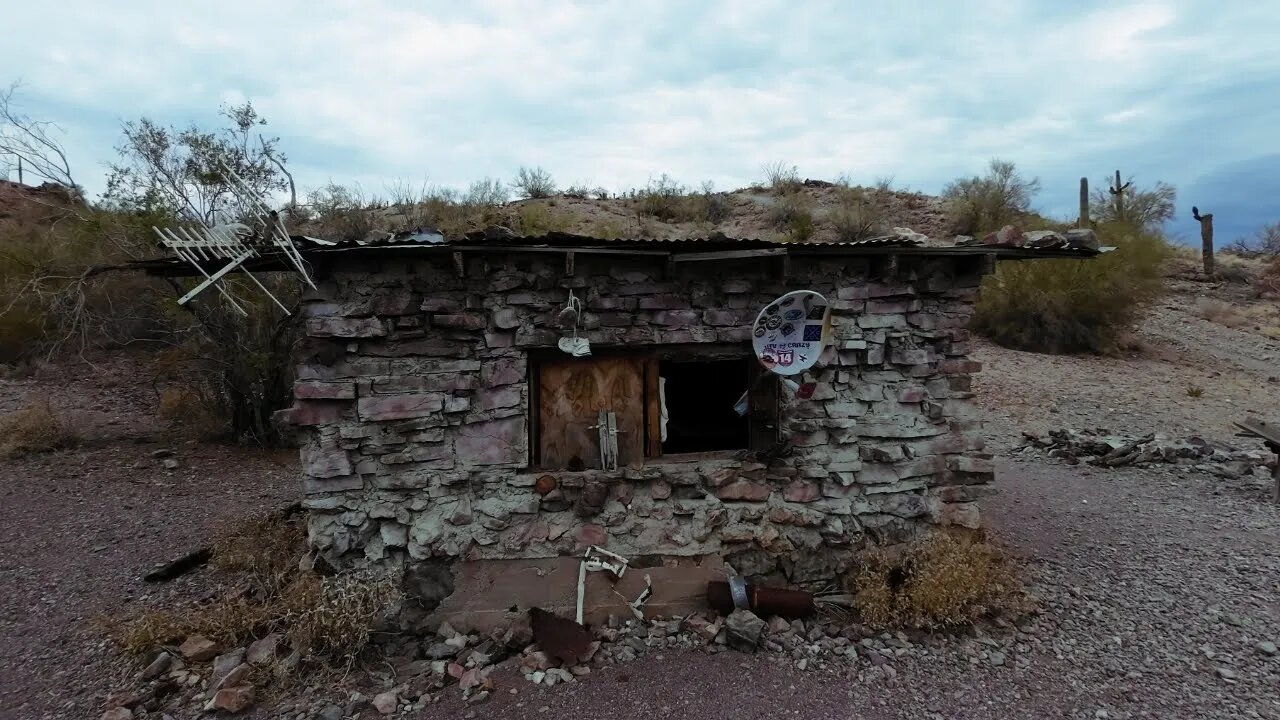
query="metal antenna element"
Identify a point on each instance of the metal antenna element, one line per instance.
(233, 244)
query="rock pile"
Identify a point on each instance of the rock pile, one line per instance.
(420, 671)
(1101, 447)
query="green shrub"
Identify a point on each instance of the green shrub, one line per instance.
(1063, 306)
(981, 204)
(663, 199)
(537, 219)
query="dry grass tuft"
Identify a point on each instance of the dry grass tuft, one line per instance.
(1194, 391)
(33, 429)
(941, 581)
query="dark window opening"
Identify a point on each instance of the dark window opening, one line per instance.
(699, 401)
(607, 410)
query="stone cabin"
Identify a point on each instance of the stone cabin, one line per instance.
(440, 420)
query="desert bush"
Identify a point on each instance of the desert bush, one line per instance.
(1220, 312)
(710, 206)
(938, 582)
(534, 183)
(1062, 306)
(856, 216)
(487, 193)
(781, 177)
(663, 199)
(792, 214)
(191, 411)
(265, 550)
(1146, 209)
(980, 204)
(1268, 283)
(33, 429)
(340, 212)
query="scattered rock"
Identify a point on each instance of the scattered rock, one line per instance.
(386, 702)
(997, 659)
(263, 650)
(223, 665)
(171, 464)
(1266, 647)
(233, 699)
(158, 667)
(198, 648)
(117, 713)
(743, 630)
(440, 651)
(162, 453)
(1227, 674)
(330, 712)
(778, 625)
(478, 698)
(238, 675)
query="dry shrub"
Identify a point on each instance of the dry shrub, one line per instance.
(334, 617)
(190, 412)
(1063, 306)
(940, 581)
(1220, 312)
(265, 549)
(325, 618)
(1268, 283)
(33, 429)
(534, 183)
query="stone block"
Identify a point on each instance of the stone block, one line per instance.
(676, 318)
(343, 327)
(399, 407)
(502, 397)
(435, 382)
(959, 367)
(744, 490)
(892, 307)
(965, 515)
(912, 355)
(881, 321)
(322, 390)
(403, 348)
(496, 442)
(315, 486)
(801, 491)
(441, 304)
(460, 321)
(663, 302)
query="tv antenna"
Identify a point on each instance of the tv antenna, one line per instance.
(231, 245)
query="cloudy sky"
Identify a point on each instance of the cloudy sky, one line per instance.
(615, 93)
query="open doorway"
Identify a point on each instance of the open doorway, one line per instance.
(699, 397)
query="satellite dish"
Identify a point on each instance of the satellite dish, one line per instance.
(790, 332)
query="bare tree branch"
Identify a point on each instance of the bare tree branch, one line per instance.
(32, 141)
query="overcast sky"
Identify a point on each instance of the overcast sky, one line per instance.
(615, 93)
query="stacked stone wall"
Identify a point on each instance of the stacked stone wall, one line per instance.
(413, 395)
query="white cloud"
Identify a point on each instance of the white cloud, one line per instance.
(614, 93)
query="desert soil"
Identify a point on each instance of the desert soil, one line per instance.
(1159, 585)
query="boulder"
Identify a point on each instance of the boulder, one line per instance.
(223, 665)
(386, 702)
(263, 650)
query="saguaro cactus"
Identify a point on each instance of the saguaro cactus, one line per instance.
(1206, 238)
(1084, 202)
(1117, 192)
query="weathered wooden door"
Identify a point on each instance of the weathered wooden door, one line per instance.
(572, 393)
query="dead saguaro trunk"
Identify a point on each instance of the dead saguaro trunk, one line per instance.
(1206, 238)
(1084, 203)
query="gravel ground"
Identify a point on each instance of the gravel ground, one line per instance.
(78, 528)
(1159, 586)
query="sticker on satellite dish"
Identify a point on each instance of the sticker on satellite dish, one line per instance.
(788, 335)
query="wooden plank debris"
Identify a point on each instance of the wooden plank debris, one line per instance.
(1270, 434)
